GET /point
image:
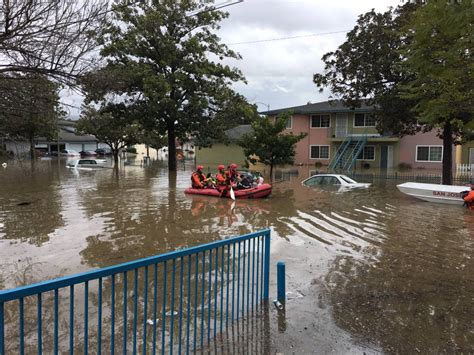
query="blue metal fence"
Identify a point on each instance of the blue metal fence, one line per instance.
(174, 302)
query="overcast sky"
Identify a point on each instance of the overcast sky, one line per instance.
(279, 72)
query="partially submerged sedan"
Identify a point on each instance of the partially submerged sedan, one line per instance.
(87, 164)
(334, 180)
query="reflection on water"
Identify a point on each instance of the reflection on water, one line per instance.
(392, 267)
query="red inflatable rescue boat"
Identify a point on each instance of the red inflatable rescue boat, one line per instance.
(260, 191)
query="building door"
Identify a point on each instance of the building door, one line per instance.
(390, 156)
(341, 125)
(383, 157)
(386, 156)
(471, 155)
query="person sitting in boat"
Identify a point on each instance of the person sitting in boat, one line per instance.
(246, 181)
(469, 199)
(210, 182)
(198, 179)
(221, 179)
(222, 183)
(232, 175)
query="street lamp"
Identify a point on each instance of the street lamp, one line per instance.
(263, 103)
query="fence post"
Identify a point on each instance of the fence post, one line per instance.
(266, 277)
(2, 330)
(281, 287)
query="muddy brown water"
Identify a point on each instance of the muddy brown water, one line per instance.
(381, 272)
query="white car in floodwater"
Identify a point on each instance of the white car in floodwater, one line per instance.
(87, 163)
(321, 180)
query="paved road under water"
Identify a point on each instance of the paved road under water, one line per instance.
(370, 270)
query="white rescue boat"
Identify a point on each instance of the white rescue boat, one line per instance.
(449, 194)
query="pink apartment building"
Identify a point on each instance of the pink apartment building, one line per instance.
(330, 125)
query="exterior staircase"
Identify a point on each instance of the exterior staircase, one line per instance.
(346, 155)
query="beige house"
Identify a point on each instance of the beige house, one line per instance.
(226, 154)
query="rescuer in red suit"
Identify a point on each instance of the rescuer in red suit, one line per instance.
(232, 175)
(198, 179)
(221, 178)
(469, 199)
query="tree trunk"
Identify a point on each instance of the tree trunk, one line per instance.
(171, 148)
(32, 148)
(271, 173)
(115, 152)
(447, 154)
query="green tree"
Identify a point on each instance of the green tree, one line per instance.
(112, 125)
(161, 52)
(401, 62)
(268, 145)
(365, 69)
(29, 108)
(233, 110)
(439, 61)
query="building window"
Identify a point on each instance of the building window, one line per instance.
(364, 120)
(289, 122)
(433, 153)
(368, 153)
(320, 121)
(319, 152)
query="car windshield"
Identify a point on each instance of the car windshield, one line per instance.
(316, 180)
(322, 180)
(348, 180)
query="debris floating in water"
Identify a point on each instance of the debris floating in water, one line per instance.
(150, 321)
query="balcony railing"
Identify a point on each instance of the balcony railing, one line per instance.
(357, 132)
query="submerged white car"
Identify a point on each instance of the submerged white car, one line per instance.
(86, 163)
(334, 180)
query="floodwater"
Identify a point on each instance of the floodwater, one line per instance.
(370, 270)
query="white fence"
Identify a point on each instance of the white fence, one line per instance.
(465, 169)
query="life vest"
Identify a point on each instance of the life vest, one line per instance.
(221, 179)
(197, 179)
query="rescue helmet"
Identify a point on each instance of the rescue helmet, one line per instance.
(233, 166)
(221, 167)
(199, 168)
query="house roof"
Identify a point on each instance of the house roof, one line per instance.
(319, 107)
(66, 133)
(237, 132)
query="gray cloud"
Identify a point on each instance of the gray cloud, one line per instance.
(279, 73)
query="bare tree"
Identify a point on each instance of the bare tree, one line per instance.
(50, 37)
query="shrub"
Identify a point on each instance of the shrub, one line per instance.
(404, 166)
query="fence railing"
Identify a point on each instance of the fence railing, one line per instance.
(465, 169)
(176, 301)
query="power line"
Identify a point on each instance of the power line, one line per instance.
(286, 38)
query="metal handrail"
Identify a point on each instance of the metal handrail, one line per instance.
(356, 151)
(197, 270)
(340, 153)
